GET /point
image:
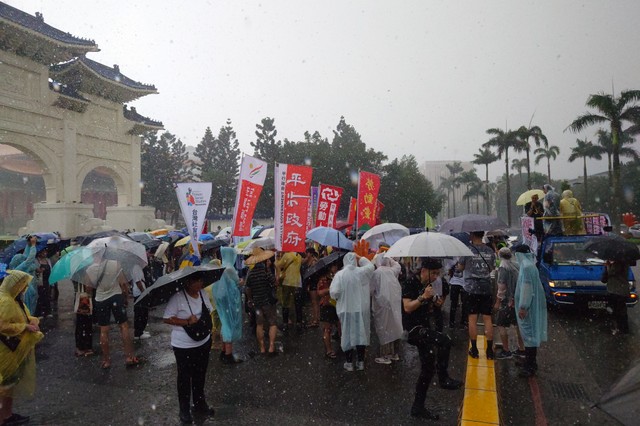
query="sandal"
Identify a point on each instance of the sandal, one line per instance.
(134, 361)
(314, 324)
(330, 355)
(105, 365)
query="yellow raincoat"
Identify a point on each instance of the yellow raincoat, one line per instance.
(17, 368)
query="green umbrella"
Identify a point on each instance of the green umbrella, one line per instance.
(71, 265)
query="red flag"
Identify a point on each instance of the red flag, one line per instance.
(353, 208)
(328, 204)
(292, 188)
(252, 175)
(379, 207)
(368, 188)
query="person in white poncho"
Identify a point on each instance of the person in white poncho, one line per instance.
(386, 305)
(350, 289)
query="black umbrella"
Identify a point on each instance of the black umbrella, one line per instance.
(323, 263)
(212, 244)
(167, 285)
(84, 240)
(613, 248)
(471, 223)
(152, 244)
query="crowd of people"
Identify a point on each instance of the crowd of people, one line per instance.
(345, 291)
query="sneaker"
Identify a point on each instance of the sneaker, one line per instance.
(519, 353)
(394, 357)
(145, 335)
(504, 355)
(490, 354)
(473, 353)
(449, 383)
(360, 365)
(382, 360)
(423, 413)
(348, 366)
(16, 419)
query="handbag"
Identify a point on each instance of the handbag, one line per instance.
(83, 304)
(11, 342)
(201, 329)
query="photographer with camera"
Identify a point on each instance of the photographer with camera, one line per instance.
(419, 301)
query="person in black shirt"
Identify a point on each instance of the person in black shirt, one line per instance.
(418, 302)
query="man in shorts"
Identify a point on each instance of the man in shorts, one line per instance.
(112, 292)
(507, 277)
(476, 272)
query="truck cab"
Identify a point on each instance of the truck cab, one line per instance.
(572, 276)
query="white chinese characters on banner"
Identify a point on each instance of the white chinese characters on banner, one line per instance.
(193, 199)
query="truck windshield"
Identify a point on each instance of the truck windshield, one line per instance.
(572, 253)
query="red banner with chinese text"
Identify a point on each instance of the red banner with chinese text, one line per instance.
(292, 189)
(368, 188)
(379, 207)
(353, 208)
(328, 204)
(253, 172)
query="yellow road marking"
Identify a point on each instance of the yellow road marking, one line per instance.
(480, 403)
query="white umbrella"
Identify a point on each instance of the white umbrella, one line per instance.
(269, 232)
(385, 233)
(127, 252)
(266, 243)
(428, 244)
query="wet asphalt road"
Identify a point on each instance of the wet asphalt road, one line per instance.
(299, 386)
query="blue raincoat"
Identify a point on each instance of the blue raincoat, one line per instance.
(350, 289)
(530, 296)
(27, 263)
(227, 296)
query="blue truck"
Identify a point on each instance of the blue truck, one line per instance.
(571, 276)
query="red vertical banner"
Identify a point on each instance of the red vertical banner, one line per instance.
(328, 204)
(353, 208)
(368, 188)
(253, 172)
(379, 207)
(292, 188)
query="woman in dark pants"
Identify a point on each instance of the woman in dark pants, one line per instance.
(615, 276)
(185, 309)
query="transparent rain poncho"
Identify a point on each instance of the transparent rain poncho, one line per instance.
(530, 296)
(350, 289)
(386, 300)
(227, 296)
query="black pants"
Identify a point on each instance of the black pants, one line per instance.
(619, 306)
(530, 359)
(359, 351)
(433, 348)
(192, 366)
(84, 332)
(457, 292)
(43, 307)
(140, 319)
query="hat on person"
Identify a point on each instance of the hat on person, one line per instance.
(505, 253)
(383, 246)
(258, 255)
(431, 264)
(521, 248)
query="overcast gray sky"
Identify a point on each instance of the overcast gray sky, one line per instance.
(414, 77)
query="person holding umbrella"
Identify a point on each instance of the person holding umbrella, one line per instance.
(260, 286)
(188, 313)
(616, 277)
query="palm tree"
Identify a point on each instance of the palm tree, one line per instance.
(585, 149)
(614, 111)
(446, 185)
(467, 178)
(538, 138)
(518, 165)
(548, 152)
(454, 169)
(475, 189)
(502, 141)
(606, 147)
(486, 157)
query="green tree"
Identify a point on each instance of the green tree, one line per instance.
(518, 165)
(525, 134)
(503, 140)
(548, 152)
(446, 185)
(267, 149)
(605, 143)
(584, 149)
(454, 168)
(407, 193)
(468, 178)
(615, 112)
(164, 161)
(485, 157)
(475, 189)
(227, 168)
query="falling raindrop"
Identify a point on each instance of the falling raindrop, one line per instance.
(307, 161)
(140, 421)
(628, 194)
(353, 175)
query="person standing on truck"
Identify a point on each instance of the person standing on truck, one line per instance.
(535, 210)
(551, 205)
(615, 276)
(571, 211)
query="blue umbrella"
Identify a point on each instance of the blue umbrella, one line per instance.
(19, 245)
(330, 237)
(72, 265)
